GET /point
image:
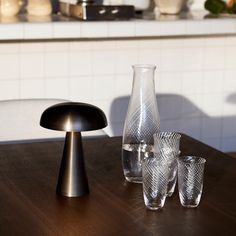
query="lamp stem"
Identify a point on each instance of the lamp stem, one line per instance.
(72, 180)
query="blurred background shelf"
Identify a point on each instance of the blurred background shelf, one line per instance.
(196, 23)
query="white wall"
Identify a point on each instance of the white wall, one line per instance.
(195, 79)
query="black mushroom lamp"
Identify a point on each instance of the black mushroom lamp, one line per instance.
(73, 118)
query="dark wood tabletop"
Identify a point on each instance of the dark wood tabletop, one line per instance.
(30, 206)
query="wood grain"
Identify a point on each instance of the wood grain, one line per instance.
(30, 206)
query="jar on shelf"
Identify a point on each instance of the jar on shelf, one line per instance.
(170, 6)
(139, 5)
(39, 7)
(9, 8)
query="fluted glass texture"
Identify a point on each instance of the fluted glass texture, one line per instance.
(167, 145)
(142, 121)
(190, 180)
(155, 181)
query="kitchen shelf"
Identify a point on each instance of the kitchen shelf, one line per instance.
(59, 27)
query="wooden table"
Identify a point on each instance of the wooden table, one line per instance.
(29, 205)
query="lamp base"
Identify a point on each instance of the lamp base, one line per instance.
(72, 180)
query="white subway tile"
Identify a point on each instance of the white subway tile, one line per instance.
(211, 127)
(229, 81)
(65, 30)
(214, 58)
(228, 144)
(80, 46)
(157, 79)
(80, 63)
(222, 26)
(94, 29)
(171, 43)
(172, 28)
(230, 62)
(32, 88)
(56, 64)
(229, 104)
(196, 100)
(214, 41)
(80, 88)
(9, 67)
(57, 88)
(147, 28)
(171, 59)
(123, 85)
(170, 106)
(172, 125)
(149, 56)
(192, 82)
(31, 47)
(9, 89)
(191, 126)
(11, 31)
(228, 126)
(190, 105)
(195, 27)
(195, 42)
(129, 44)
(212, 104)
(118, 109)
(11, 48)
(37, 31)
(103, 45)
(212, 81)
(195, 79)
(192, 59)
(103, 62)
(121, 29)
(32, 65)
(171, 82)
(103, 87)
(230, 40)
(105, 106)
(124, 59)
(150, 44)
(57, 47)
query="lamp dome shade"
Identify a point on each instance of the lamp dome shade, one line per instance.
(73, 117)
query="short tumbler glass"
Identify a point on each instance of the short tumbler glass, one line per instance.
(167, 145)
(190, 180)
(155, 179)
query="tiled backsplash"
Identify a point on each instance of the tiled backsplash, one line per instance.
(195, 79)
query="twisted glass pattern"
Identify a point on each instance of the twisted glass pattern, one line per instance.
(166, 144)
(142, 121)
(155, 180)
(190, 180)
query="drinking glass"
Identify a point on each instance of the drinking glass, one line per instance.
(167, 145)
(190, 180)
(155, 180)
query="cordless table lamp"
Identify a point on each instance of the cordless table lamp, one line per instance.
(73, 118)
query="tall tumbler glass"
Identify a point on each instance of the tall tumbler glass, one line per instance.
(190, 180)
(167, 145)
(155, 180)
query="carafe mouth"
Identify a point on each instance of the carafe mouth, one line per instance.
(147, 66)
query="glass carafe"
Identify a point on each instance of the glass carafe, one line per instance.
(142, 121)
